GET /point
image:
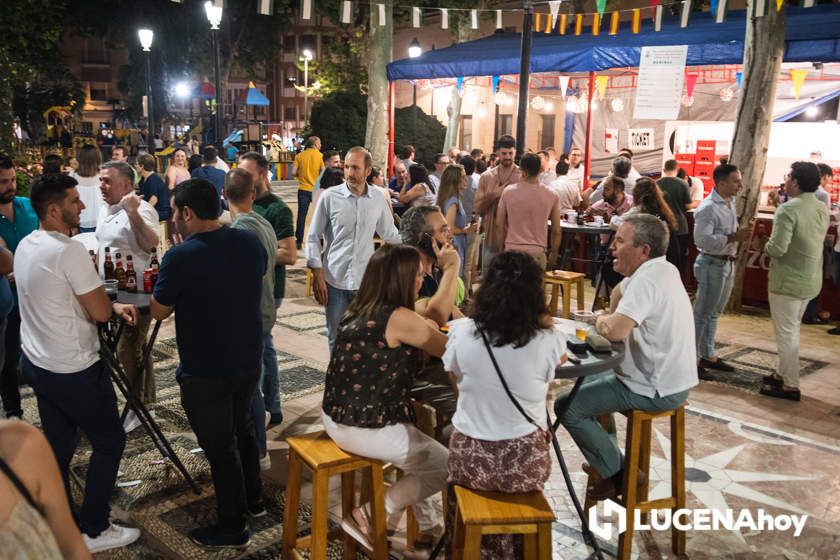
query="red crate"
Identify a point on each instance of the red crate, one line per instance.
(708, 185)
(704, 168)
(705, 150)
(686, 161)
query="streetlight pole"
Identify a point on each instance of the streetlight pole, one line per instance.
(307, 56)
(146, 37)
(214, 16)
(414, 51)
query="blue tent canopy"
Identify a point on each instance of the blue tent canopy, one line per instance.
(813, 35)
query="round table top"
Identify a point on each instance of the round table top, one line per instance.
(593, 362)
(587, 227)
(140, 300)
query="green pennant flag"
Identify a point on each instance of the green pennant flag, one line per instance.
(602, 5)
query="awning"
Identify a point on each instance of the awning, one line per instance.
(812, 35)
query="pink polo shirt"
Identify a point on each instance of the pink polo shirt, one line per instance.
(528, 208)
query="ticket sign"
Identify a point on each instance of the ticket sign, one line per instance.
(660, 84)
(640, 139)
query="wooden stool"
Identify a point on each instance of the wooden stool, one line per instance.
(325, 459)
(494, 513)
(564, 279)
(637, 457)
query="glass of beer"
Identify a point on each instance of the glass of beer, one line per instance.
(111, 289)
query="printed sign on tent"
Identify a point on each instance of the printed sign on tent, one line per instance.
(640, 139)
(611, 140)
(660, 84)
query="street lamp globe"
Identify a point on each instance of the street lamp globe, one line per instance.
(146, 38)
(307, 55)
(182, 89)
(214, 14)
(414, 48)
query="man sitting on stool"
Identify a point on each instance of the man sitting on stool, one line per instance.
(650, 310)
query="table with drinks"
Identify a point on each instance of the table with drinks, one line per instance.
(593, 227)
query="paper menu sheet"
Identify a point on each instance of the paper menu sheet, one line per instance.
(660, 84)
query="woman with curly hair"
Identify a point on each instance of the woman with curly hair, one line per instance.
(648, 199)
(510, 335)
(367, 406)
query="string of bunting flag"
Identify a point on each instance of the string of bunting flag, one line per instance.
(551, 20)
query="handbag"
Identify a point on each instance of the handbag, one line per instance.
(545, 433)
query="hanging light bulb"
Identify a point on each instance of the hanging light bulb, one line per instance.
(617, 105)
(500, 98)
(687, 100)
(537, 103)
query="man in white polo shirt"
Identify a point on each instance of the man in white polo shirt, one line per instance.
(129, 226)
(61, 299)
(651, 312)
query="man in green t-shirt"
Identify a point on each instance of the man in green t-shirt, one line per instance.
(678, 198)
(279, 216)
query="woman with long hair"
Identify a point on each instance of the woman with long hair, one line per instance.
(177, 172)
(453, 183)
(87, 177)
(367, 406)
(509, 335)
(419, 191)
(648, 199)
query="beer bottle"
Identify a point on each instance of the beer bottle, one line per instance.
(130, 276)
(119, 273)
(154, 264)
(93, 260)
(109, 265)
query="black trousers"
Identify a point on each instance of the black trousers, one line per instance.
(83, 401)
(219, 411)
(9, 376)
(304, 199)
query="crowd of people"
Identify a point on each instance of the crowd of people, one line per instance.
(454, 293)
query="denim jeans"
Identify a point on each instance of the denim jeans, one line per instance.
(338, 301)
(270, 383)
(304, 199)
(219, 411)
(9, 378)
(258, 415)
(83, 401)
(714, 284)
(605, 394)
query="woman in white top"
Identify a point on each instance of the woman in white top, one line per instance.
(420, 192)
(493, 445)
(87, 177)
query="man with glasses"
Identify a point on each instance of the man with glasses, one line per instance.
(575, 174)
(441, 161)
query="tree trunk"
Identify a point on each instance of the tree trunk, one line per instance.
(380, 45)
(763, 49)
(454, 108)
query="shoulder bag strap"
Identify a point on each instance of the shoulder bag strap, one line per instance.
(504, 383)
(7, 470)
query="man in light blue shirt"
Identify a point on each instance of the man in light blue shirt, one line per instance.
(717, 236)
(347, 216)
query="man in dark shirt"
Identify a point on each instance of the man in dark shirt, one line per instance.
(678, 197)
(209, 171)
(279, 216)
(213, 282)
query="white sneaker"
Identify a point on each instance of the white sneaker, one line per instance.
(265, 462)
(131, 421)
(115, 536)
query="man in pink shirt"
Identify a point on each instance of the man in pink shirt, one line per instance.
(524, 211)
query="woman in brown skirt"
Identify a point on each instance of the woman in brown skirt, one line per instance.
(497, 445)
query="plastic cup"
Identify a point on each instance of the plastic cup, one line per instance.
(111, 288)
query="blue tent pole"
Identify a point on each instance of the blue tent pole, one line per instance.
(524, 77)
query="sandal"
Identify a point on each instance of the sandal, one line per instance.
(358, 525)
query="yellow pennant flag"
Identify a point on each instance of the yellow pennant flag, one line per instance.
(779, 4)
(562, 25)
(637, 20)
(798, 78)
(601, 84)
(578, 24)
(549, 21)
(596, 25)
(537, 21)
(614, 23)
